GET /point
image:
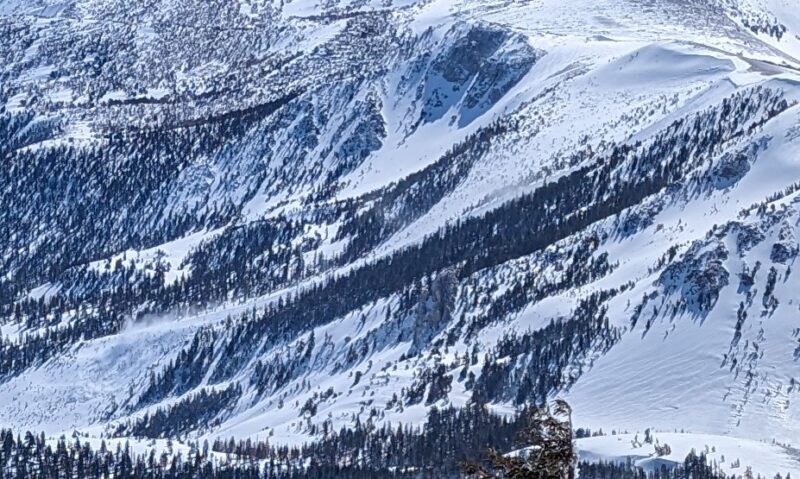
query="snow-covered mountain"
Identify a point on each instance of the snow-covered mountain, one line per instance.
(281, 217)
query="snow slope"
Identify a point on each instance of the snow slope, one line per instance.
(362, 130)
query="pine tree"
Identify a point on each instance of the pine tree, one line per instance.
(550, 453)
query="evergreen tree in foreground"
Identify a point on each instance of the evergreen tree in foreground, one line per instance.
(550, 456)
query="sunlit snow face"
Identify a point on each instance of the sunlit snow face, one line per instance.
(192, 169)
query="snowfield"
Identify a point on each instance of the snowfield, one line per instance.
(360, 131)
(733, 455)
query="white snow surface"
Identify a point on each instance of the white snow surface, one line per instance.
(611, 70)
(732, 455)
